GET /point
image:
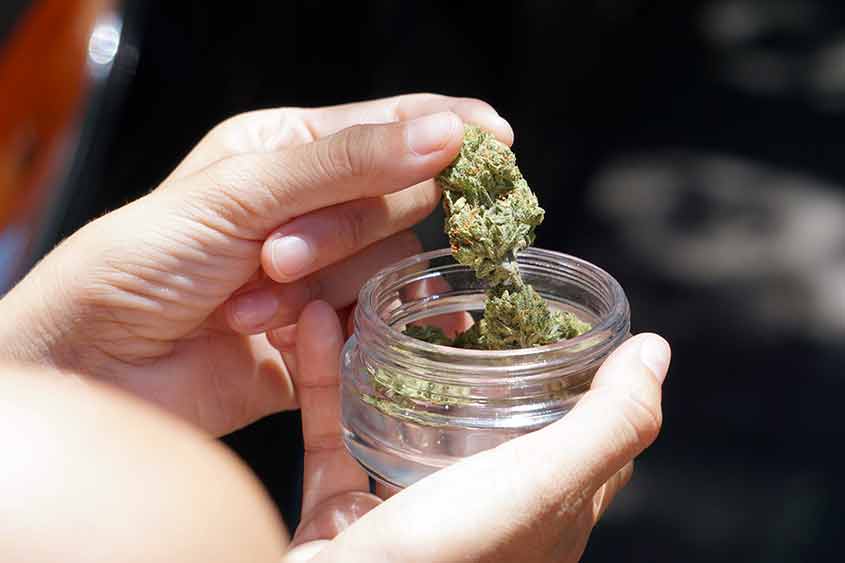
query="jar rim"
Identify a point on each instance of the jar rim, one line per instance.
(608, 323)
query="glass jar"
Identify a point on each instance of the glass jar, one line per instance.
(410, 407)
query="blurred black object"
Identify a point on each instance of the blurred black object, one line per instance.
(692, 149)
(64, 65)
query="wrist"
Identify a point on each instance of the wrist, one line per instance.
(22, 334)
(35, 319)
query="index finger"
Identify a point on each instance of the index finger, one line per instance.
(270, 130)
(329, 120)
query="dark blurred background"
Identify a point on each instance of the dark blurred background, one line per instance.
(695, 150)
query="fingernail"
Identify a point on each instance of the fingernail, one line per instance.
(291, 255)
(431, 133)
(252, 310)
(284, 338)
(655, 354)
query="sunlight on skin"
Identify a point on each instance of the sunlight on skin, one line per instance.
(411, 525)
(162, 297)
(95, 475)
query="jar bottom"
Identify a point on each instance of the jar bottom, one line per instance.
(394, 472)
(399, 452)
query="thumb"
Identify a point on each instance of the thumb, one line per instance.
(613, 422)
(251, 194)
(530, 499)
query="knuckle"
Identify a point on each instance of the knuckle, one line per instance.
(405, 103)
(284, 127)
(236, 134)
(641, 416)
(242, 188)
(353, 229)
(349, 153)
(265, 130)
(323, 442)
(475, 102)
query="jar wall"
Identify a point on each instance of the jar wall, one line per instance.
(410, 407)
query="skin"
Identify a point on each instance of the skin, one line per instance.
(172, 312)
(169, 296)
(94, 475)
(553, 485)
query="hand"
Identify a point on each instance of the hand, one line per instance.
(168, 296)
(535, 498)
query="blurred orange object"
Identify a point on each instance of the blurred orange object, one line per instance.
(42, 89)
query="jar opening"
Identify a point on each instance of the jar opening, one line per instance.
(432, 284)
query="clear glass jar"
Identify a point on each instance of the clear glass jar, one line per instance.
(410, 408)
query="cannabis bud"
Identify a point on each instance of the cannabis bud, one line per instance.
(491, 215)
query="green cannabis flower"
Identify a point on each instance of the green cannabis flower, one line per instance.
(432, 334)
(491, 215)
(522, 319)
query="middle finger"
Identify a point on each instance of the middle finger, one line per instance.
(271, 305)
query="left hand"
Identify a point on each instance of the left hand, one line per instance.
(535, 498)
(168, 296)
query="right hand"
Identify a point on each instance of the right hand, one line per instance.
(533, 499)
(169, 296)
